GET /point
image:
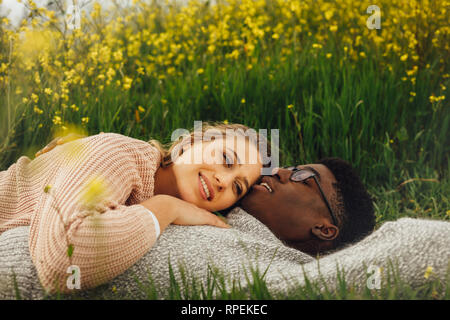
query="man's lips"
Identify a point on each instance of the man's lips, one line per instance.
(265, 184)
(208, 185)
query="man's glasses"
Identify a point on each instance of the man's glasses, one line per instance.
(301, 175)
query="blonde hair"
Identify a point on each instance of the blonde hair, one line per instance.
(167, 149)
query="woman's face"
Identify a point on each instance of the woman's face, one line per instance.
(214, 175)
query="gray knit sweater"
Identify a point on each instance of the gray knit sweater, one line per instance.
(412, 245)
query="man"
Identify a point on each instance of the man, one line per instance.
(313, 208)
(322, 208)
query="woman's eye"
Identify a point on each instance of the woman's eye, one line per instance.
(228, 162)
(238, 189)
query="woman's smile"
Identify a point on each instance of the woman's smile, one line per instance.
(206, 190)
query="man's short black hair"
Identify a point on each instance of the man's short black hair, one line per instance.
(354, 204)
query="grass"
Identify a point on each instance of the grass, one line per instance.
(372, 111)
(219, 286)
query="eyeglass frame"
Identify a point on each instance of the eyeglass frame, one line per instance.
(314, 176)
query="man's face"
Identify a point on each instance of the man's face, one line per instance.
(292, 209)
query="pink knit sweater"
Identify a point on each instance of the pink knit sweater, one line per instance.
(66, 229)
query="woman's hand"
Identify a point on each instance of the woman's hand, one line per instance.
(58, 141)
(168, 209)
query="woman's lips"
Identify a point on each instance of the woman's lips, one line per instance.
(208, 185)
(202, 192)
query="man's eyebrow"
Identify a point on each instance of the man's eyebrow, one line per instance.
(315, 171)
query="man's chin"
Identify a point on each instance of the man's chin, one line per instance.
(249, 203)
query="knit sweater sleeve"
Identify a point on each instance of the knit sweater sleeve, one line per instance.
(89, 219)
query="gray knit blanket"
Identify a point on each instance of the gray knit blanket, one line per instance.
(412, 246)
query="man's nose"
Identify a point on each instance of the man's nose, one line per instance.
(283, 174)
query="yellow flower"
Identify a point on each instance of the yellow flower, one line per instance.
(412, 71)
(48, 91)
(275, 36)
(428, 272)
(226, 122)
(333, 28)
(85, 119)
(317, 46)
(37, 110)
(412, 94)
(141, 109)
(57, 120)
(448, 213)
(118, 55)
(37, 78)
(233, 55)
(243, 100)
(34, 97)
(110, 73)
(171, 70)
(200, 71)
(205, 87)
(329, 55)
(362, 54)
(211, 48)
(94, 190)
(290, 106)
(127, 83)
(404, 57)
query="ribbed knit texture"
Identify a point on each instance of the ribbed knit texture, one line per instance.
(412, 245)
(102, 238)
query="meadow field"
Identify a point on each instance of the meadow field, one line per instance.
(312, 69)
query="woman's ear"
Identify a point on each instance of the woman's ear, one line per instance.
(325, 231)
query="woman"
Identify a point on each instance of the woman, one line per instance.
(99, 203)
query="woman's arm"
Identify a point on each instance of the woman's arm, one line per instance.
(83, 221)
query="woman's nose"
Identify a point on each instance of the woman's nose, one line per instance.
(223, 180)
